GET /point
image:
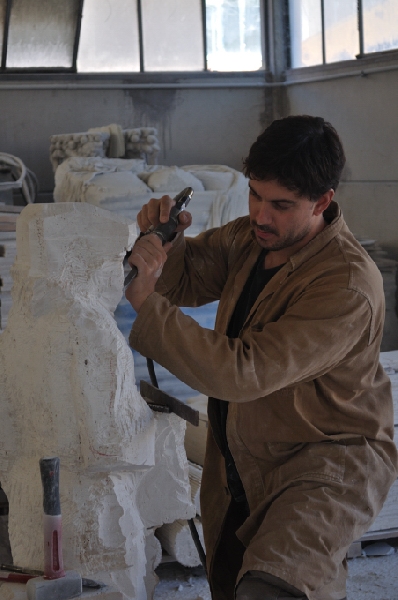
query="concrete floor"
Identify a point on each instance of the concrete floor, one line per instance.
(370, 578)
(374, 578)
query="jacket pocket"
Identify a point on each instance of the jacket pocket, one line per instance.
(284, 449)
(322, 461)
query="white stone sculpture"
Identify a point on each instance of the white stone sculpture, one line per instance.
(123, 186)
(67, 389)
(97, 142)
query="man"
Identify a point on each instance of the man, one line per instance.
(299, 455)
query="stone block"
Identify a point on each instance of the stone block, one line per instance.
(67, 389)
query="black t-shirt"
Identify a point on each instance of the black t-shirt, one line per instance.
(218, 409)
(257, 280)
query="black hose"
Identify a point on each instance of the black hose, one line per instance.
(197, 542)
(151, 371)
(191, 523)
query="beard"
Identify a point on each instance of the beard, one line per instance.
(290, 238)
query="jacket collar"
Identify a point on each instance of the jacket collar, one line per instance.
(335, 222)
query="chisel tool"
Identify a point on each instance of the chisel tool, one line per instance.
(165, 231)
(15, 570)
(16, 577)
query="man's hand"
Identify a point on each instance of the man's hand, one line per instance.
(149, 256)
(158, 211)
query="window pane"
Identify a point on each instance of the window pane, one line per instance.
(42, 33)
(109, 37)
(172, 35)
(234, 35)
(341, 30)
(380, 24)
(305, 32)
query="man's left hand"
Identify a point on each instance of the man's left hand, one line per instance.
(149, 256)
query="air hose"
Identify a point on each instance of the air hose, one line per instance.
(191, 522)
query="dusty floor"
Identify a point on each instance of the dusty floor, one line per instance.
(370, 578)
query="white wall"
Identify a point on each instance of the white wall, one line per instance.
(364, 110)
(195, 126)
(218, 125)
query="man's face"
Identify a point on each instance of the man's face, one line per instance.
(279, 217)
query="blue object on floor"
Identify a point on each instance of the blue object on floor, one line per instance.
(125, 315)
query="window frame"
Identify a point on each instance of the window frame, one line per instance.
(276, 53)
(3, 66)
(141, 74)
(361, 54)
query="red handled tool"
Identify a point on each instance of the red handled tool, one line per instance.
(17, 577)
(52, 521)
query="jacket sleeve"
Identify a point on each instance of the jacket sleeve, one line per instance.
(314, 335)
(197, 268)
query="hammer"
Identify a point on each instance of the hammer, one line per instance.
(56, 584)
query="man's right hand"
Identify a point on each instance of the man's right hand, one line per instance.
(158, 211)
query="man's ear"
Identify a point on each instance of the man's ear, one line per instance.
(323, 202)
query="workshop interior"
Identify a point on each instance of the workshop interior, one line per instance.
(106, 104)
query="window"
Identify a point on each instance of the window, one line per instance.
(130, 36)
(106, 41)
(380, 25)
(327, 31)
(233, 35)
(178, 44)
(48, 42)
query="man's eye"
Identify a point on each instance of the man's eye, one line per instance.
(281, 206)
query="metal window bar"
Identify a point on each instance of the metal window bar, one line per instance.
(77, 36)
(140, 35)
(323, 32)
(204, 28)
(286, 32)
(265, 42)
(360, 29)
(5, 35)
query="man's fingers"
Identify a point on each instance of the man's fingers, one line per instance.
(185, 220)
(166, 204)
(158, 211)
(143, 220)
(154, 212)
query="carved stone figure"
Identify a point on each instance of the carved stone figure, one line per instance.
(67, 389)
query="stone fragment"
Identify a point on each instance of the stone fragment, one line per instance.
(177, 540)
(64, 588)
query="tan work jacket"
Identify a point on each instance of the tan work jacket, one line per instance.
(304, 371)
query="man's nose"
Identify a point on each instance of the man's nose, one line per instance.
(264, 216)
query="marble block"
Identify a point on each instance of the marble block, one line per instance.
(67, 389)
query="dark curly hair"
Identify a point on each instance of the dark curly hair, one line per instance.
(302, 153)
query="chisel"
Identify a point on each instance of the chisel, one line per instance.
(165, 231)
(17, 577)
(35, 573)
